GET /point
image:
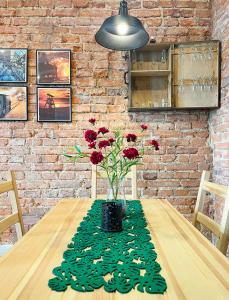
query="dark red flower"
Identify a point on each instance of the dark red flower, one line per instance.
(96, 157)
(92, 145)
(111, 140)
(104, 144)
(155, 144)
(144, 127)
(130, 153)
(90, 136)
(103, 130)
(92, 121)
(131, 137)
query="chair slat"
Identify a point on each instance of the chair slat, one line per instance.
(8, 221)
(217, 189)
(6, 186)
(100, 174)
(104, 197)
(16, 217)
(220, 230)
(209, 223)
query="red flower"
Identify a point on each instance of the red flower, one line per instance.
(96, 157)
(104, 144)
(90, 136)
(131, 153)
(155, 144)
(103, 130)
(143, 126)
(111, 140)
(92, 121)
(131, 137)
(92, 145)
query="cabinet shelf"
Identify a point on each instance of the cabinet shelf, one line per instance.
(155, 73)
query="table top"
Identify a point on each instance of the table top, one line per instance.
(193, 268)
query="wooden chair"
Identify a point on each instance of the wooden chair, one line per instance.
(96, 174)
(16, 217)
(220, 230)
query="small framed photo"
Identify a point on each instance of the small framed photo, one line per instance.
(54, 104)
(13, 103)
(54, 67)
(13, 65)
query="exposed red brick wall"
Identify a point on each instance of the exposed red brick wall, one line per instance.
(219, 120)
(34, 149)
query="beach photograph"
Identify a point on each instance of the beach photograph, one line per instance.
(54, 104)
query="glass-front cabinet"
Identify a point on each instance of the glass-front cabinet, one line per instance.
(174, 76)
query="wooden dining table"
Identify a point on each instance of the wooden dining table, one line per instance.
(193, 268)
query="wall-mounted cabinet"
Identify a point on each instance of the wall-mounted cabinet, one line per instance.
(174, 76)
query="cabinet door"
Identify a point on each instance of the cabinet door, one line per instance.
(150, 78)
(196, 75)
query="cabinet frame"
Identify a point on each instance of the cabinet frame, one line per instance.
(170, 83)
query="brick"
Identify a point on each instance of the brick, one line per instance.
(46, 3)
(64, 12)
(203, 13)
(70, 39)
(188, 22)
(170, 22)
(154, 22)
(24, 12)
(15, 3)
(80, 3)
(143, 13)
(150, 4)
(20, 21)
(175, 13)
(7, 12)
(63, 3)
(31, 3)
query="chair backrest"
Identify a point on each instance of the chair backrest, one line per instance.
(96, 174)
(221, 230)
(15, 218)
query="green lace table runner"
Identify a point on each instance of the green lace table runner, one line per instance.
(119, 261)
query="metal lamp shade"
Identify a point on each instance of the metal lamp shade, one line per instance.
(122, 32)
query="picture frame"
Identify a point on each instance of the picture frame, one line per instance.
(53, 67)
(13, 65)
(13, 103)
(54, 104)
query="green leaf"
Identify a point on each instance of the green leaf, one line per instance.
(117, 133)
(77, 148)
(68, 155)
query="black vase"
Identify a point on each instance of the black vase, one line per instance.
(112, 217)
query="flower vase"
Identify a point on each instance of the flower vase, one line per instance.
(113, 210)
(112, 216)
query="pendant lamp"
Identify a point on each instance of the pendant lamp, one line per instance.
(122, 32)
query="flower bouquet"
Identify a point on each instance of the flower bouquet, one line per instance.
(115, 153)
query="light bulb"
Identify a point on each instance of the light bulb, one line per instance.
(122, 28)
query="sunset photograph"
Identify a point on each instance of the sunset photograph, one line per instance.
(53, 67)
(54, 104)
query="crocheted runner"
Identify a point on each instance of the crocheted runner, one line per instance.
(119, 261)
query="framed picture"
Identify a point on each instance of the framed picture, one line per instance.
(54, 67)
(13, 103)
(54, 104)
(13, 65)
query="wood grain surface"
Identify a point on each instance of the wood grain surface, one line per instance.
(193, 268)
